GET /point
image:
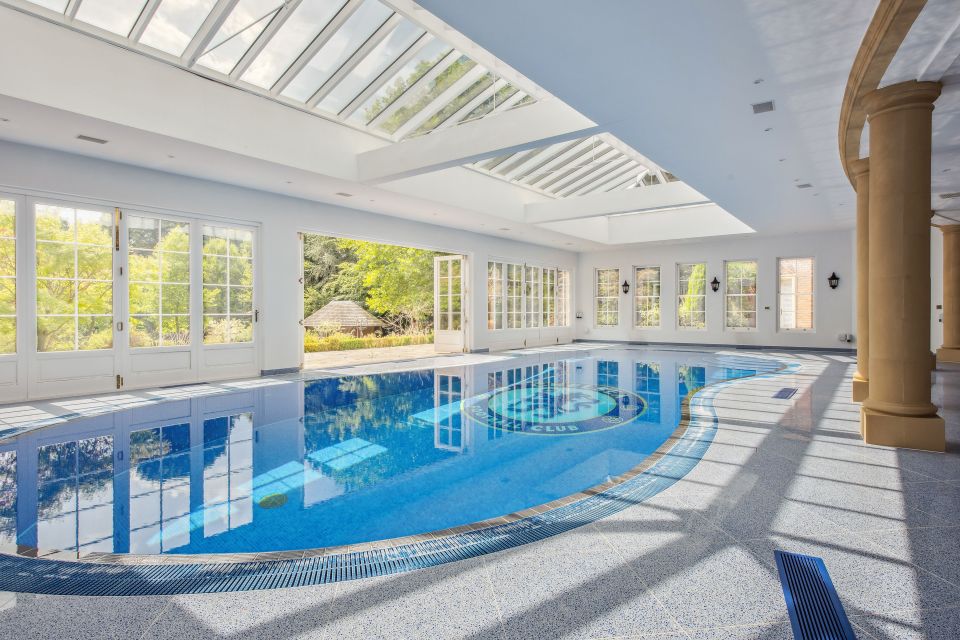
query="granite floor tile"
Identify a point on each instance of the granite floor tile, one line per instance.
(928, 624)
(777, 631)
(936, 549)
(27, 616)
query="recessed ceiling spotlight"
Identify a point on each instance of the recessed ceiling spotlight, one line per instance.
(87, 138)
(782, 160)
(768, 129)
(805, 185)
(569, 244)
(504, 229)
(758, 81)
(4, 119)
(950, 196)
(947, 170)
(289, 181)
(171, 156)
(343, 194)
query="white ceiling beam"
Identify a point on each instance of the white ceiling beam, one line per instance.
(146, 15)
(264, 38)
(378, 36)
(541, 157)
(675, 194)
(386, 75)
(447, 96)
(410, 92)
(536, 125)
(211, 25)
(315, 45)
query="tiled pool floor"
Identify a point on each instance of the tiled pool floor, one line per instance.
(696, 561)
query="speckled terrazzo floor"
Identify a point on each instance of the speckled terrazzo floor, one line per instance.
(696, 561)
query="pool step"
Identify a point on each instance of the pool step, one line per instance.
(812, 602)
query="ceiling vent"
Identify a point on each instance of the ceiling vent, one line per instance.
(805, 185)
(343, 194)
(91, 139)
(763, 107)
(950, 196)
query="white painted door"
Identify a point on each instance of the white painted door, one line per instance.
(449, 275)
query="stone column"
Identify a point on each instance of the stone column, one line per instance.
(897, 411)
(861, 179)
(950, 351)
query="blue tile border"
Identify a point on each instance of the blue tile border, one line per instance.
(165, 577)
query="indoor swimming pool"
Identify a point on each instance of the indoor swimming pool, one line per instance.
(292, 464)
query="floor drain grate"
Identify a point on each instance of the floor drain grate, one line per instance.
(812, 602)
(786, 393)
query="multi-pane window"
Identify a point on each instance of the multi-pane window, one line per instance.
(647, 294)
(514, 296)
(159, 267)
(8, 276)
(740, 294)
(227, 285)
(532, 293)
(563, 297)
(494, 295)
(75, 495)
(608, 373)
(795, 283)
(549, 297)
(691, 298)
(647, 384)
(159, 488)
(74, 279)
(227, 473)
(607, 298)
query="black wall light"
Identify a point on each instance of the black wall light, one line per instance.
(834, 280)
(625, 286)
(715, 284)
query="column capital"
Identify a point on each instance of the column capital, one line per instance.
(903, 95)
(859, 167)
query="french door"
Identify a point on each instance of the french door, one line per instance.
(99, 299)
(448, 304)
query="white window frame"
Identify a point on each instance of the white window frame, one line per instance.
(528, 307)
(637, 297)
(676, 274)
(563, 297)
(813, 295)
(596, 297)
(756, 297)
(495, 293)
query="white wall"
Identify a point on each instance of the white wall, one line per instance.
(833, 309)
(37, 171)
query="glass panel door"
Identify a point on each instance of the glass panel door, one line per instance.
(448, 291)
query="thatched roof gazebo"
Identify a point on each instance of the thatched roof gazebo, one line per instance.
(347, 315)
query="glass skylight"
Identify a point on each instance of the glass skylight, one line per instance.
(356, 60)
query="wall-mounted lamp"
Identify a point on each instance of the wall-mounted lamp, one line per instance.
(834, 280)
(715, 284)
(579, 315)
(625, 286)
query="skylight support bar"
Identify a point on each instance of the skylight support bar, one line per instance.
(615, 176)
(146, 15)
(539, 173)
(520, 157)
(597, 160)
(386, 75)
(544, 155)
(509, 102)
(408, 94)
(314, 47)
(71, 10)
(285, 11)
(449, 94)
(601, 174)
(466, 109)
(635, 179)
(378, 36)
(630, 152)
(597, 166)
(211, 25)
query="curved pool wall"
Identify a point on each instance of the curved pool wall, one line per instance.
(186, 573)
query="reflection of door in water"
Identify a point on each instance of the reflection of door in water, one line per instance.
(448, 290)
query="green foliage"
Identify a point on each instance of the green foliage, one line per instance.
(322, 257)
(313, 343)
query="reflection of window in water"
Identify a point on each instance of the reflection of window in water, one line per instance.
(448, 427)
(647, 385)
(608, 373)
(733, 374)
(8, 499)
(75, 495)
(690, 379)
(159, 488)
(227, 473)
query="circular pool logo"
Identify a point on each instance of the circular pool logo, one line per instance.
(556, 409)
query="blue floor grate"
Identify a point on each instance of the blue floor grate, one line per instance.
(785, 394)
(812, 602)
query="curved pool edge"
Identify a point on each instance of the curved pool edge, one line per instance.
(144, 575)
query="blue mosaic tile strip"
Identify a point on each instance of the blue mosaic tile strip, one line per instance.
(58, 577)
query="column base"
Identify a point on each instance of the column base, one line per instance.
(948, 355)
(860, 388)
(907, 432)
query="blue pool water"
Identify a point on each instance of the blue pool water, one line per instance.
(294, 464)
